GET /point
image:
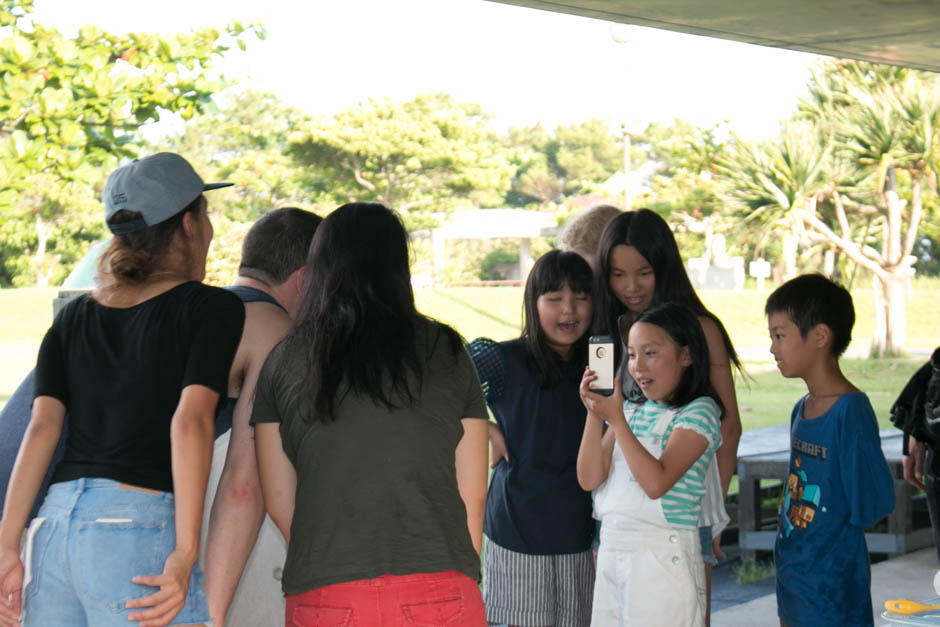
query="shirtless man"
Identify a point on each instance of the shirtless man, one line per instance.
(270, 282)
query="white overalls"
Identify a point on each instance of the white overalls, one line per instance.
(649, 572)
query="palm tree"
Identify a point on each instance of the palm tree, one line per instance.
(772, 181)
(885, 124)
(850, 172)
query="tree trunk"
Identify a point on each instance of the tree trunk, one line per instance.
(890, 314)
(43, 231)
(788, 244)
(829, 262)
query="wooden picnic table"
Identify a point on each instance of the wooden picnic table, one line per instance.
(765, 454)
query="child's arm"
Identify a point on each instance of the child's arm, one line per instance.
(594, 454)
(719, 375)
(497, 440)
(487, 359)
(596, 445)
(470, 462)
(657, 476)
(866, 479)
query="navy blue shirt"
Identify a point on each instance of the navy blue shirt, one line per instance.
(534, 504)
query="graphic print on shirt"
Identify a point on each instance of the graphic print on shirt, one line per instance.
(801, 500)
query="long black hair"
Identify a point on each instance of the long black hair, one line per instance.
(681, 324)
(551, 272)
(357, 324)
(646, 231)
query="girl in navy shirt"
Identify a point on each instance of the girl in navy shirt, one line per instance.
(538, 565)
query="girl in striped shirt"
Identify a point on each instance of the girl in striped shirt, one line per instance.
(647, 468)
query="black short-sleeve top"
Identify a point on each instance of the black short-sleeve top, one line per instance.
(376, 488)
(120, 373)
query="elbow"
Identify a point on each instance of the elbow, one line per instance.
(43, 430)
(588, 481)
(654, 489)
(193, 427)
(731, 429)
(243, 495)
(476, 506)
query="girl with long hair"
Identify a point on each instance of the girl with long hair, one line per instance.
(138, 365)
(639, 265)
(371, 434)
(538, 565)
(648, 471)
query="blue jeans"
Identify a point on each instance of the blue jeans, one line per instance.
(90, 538)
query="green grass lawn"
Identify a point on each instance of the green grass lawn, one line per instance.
(25, 314)
(496, 312)
(766, 398)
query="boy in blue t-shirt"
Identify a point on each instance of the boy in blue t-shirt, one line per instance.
(839, 483)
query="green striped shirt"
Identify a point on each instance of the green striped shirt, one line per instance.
(682, 503)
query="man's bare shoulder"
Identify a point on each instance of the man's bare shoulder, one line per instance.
(265, 325)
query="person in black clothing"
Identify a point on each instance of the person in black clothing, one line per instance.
(917, 413)
(139, 364)
(269, 282)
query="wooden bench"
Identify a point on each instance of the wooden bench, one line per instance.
(765, 454)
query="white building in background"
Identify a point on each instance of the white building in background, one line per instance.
(487, 224)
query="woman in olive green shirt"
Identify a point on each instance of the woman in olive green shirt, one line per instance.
(371, 433)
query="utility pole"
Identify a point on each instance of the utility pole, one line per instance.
(626, 166)
(620, 37)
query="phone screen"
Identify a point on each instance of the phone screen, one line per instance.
(601, 361)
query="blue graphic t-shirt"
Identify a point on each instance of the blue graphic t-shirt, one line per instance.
(838, 486)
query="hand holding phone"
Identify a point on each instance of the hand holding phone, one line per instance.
(601, 361)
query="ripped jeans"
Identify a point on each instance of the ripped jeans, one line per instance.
(90, 538)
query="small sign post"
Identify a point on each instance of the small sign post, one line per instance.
(760, 270)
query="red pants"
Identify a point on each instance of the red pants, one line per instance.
(447, 598)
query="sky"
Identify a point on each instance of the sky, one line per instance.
(523, 66)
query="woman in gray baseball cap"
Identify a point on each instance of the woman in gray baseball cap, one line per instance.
(138, 365)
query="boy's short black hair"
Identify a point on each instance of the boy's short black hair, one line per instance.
(813, 299)
(277, 244)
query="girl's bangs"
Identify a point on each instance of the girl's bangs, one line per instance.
(571, 270)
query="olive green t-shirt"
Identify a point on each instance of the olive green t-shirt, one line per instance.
(376, 488)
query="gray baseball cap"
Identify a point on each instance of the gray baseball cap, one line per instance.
(157, 187)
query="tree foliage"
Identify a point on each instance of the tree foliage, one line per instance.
(245, 141)
(427, 155)
(572, 160)
(682, 183)
(854, 173)
(70, 107)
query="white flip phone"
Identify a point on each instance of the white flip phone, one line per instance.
(601, 361)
